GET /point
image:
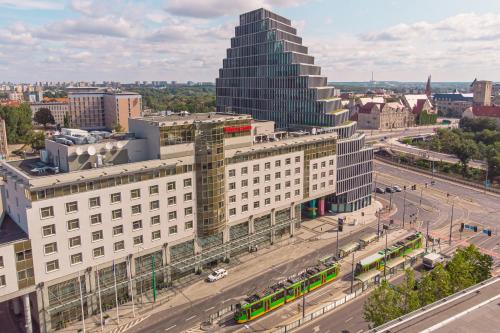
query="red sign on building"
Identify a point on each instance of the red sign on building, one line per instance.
(237, 129)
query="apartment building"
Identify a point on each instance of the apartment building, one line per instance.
(96, 108)
(181, 192)
(384, 116)
(452, 104)
(59, 109)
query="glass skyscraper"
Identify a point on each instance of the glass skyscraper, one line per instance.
(269, 74)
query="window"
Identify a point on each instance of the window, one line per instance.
(297, 192)
(256, 180)
(188, 211)
(256, 204)
(118, 230)
(73, 224)
(172, 230)
(187, 182)
(71, 207)
(2, 281)
(315, 176)
(171, 201)
(97, 236)
(330, 182)
(267, 166)
(232, 198)
(244, 183)
(24, 255)
(287, 195)
(256, 192)
(49, 230)
(287, 184)
(232, 173)
(155, 220)
(119, 246)
(188, 225)
(116, 197)
(153, 205)
(136, 225)
(1, 262)
(315, 187)
(277, 175)
(52, 266)
(288, 161)
(155, 235)
(323, 164)
(172, 215)
(244, 170)
(98, 252)
(116, 214)
(297, 170)
(136, 209)
(232, 186)
(244, 208)
(154, 189)
(330, 172)
(315, 166)
(297, 159)
(50, 248)
(95, 202)
(331, 162)
(95, 219)
(277, 163)
(267, 201)
(188, 196)
(75, 241)
(267, 178)
(76, 258)
(47, 212)
(267, 189)
(277, 187)
(232, 212)
(135, 193)
(297, 181)
(255, 168)
(277, 198)
(244, 195)
(323, 174)
(170, 186)
(288, 172)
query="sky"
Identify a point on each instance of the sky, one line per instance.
(181, 40)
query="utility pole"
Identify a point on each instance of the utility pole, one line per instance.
(427, 238)
(451, 220)
(378, 225)
(390, 202)
(352, 271)
(386, 228)
(404, 206)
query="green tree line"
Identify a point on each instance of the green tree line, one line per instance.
(387, 302)
(19, 128)
(192, 99)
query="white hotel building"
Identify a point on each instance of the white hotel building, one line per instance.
(179, 191)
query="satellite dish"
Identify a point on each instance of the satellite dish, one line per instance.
(108, 146)
(79, 151)
(91, 150)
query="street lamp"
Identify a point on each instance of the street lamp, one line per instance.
(378, 224)
(404, 206)
(386, 228)
(451, 220)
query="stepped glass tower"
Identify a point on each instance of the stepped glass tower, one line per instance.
(268, 74)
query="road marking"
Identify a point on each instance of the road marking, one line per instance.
(359, 331)
(348, 319)
(226, 300)
(166, 329)
(187, 319)
(210, 308)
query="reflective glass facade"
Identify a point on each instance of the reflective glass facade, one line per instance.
(268, 74)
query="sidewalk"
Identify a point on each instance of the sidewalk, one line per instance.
(311, 236)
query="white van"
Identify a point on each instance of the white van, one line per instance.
(432, 259)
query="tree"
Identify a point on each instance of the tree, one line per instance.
(382, 305)
(464, 150)
(18, 123)
(66, 121)
(37, 140)
(460, 271)
(44, 116)
(118, 128)
(481, 264)
(477, 125)
(410, 299)
(492, 157)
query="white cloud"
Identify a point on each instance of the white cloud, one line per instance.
(32, 4)
(217, 8)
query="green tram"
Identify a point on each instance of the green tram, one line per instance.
(399, 249)
(286, 291)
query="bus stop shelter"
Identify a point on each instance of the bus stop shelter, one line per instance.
(395, 264)
(414, 255)
(348, 249)
(369, 278)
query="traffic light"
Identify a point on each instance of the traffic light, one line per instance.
(462, 226)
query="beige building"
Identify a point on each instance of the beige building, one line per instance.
(208, 184)
(384, 116)
(482, 91)
(94, 108)
(58, 110)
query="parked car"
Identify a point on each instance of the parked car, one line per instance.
(217, 275)
(397, 188)
(389, 189)
(380, 190)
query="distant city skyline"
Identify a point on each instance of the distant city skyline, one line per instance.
(181, 40)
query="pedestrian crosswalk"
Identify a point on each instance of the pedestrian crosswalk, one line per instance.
(130, 324)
